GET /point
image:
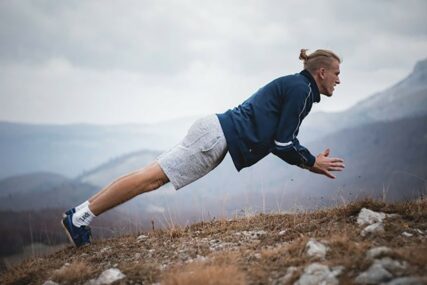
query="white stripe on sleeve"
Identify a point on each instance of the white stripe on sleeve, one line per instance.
(282, 144)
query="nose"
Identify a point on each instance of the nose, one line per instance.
(338, 81)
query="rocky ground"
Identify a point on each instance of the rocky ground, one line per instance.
(366, 242)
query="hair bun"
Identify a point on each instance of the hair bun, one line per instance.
(303, 55)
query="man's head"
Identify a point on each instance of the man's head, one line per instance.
(324, 66)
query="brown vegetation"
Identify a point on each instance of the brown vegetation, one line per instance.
(247, 250)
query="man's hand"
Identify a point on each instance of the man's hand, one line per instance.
(324, 164)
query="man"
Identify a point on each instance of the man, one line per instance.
(267, 122)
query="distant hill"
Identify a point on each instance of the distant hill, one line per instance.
(30, 183)
(42, 190)
(105, 173)
(72, 149)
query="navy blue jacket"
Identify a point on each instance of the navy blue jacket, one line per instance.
(269, 121)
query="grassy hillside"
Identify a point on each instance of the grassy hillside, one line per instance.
(259, 249)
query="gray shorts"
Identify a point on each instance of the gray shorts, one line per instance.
(201, 150)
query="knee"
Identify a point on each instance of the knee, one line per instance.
(157, 177)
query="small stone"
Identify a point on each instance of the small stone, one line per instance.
(288, 276)
(316, 249)
(252, 234)
(137, 255)
(257, 255)
(369, 217)
(373, 229)
(408, 281)
(406, 234)
(374, 275)
(317, 273)
(282, 233)
(199, 258)
(377, 251)
(109, 276)
(105, 249)
(419, 231)
(50, 282)
(392, 265)
(141, 238)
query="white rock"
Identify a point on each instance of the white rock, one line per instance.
(392, 265)
(419, 231)
(105, 249)
(374, 275)
(252, 234)
(50, 282)
(199, 258)
(316, 249)
(372, 229)
(317, 273)
(109, 276)
(408, 281)
(281, 233)
(377, 251)
(288, 276)
(368, 217)
(406, 234)
(141, 238)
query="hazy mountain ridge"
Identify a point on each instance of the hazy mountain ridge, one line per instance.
(105, 173)
(41, 191)
(33, 182)
(72, 149)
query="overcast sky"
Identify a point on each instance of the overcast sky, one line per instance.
(109, 62)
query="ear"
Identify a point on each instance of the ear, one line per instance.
(322, 72)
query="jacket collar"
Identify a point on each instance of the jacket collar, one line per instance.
(314, 88)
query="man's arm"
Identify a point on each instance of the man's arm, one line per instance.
(286, 145)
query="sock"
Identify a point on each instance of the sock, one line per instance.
(83, 217)
(82, 205)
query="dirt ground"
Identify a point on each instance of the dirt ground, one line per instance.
(258, 249)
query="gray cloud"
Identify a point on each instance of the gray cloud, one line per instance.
(128, 58)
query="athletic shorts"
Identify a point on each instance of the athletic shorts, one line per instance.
(201, 150)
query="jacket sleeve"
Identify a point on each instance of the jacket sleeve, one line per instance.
(286, 144)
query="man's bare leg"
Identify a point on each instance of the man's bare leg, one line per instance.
(126, 187)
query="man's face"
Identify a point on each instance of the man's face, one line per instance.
(330, 78)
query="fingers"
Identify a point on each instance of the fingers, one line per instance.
(335, 168)
(328, 174)
(336, 159)
(337, 164)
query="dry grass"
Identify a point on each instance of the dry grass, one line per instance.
(77, 271)
(188, 255)
(205, 274)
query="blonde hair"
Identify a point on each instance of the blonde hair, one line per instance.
(319, 58)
